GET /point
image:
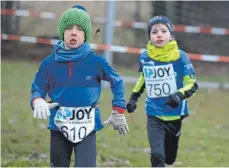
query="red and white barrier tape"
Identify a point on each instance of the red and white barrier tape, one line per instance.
(119, 23)
(113, 48)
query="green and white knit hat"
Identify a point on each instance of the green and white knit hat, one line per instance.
(75, 16)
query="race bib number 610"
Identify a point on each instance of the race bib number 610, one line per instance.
(75, 123)
(160, 80)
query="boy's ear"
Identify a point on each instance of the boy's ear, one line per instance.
(171, 38)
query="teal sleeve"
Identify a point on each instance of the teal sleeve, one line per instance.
(139, 88)
(190, 87)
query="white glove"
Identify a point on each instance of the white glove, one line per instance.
(41, 108)
(118, 121)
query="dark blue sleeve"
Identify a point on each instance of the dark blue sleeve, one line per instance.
(39, 87)
(116, 85)
(187, 67)
(140, 65)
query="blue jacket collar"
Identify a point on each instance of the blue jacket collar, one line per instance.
(64, 55)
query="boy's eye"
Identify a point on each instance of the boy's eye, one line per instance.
(154, 32)
(69, 28)
(79, 28)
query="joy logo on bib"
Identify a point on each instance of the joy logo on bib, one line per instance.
(75, 123)
(160, 80)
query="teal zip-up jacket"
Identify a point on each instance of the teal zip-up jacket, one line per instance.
(185, 83)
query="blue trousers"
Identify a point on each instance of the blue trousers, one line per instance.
(163, 137)
(61, 151)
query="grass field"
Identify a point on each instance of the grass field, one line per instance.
(25, 141)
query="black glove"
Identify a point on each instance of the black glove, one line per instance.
(131, 106)
(174, 99)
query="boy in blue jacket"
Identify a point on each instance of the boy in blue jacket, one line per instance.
(169, 79)
(71, 76)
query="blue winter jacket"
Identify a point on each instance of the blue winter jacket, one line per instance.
(182, 67)
(73, 78)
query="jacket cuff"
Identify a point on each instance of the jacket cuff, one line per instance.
(120, 110)
(35, 99)
(180, 95)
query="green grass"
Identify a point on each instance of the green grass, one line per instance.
(25, 141)
(133, 72)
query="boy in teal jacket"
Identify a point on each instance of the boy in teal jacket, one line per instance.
(169, 79)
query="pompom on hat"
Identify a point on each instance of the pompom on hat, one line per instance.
(77, 15)
(160, 19)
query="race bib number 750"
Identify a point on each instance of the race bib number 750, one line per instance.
(160, 80)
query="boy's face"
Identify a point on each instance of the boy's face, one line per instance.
(74, 37)
(160, 35)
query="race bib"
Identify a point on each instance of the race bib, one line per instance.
(160, 80)
(75, 123)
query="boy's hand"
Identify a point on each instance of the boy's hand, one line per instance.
(174, 100)
(41, 108)
(118, 121)
(131, 106)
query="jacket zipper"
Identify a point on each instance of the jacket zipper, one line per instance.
(70, 70)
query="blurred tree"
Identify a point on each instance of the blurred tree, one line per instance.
(178, 12)
(5, 19)
(10, 24)
(172, 9)
(159, 8)
(137, 17)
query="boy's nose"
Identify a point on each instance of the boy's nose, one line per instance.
(74, 31)
(159, 34)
